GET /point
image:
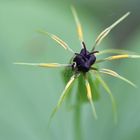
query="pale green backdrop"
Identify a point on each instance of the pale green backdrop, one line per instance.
(28, 94)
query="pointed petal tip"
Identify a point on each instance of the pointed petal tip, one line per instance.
(19, 63)
(134, 56)
(15, 63)
(93, 110)
(72, 8)
(96, 117)
(128, 13)
(29, 64)
(134, 85)
(41, 31)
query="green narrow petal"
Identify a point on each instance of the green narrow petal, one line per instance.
(116, 57)
(114, 74)
(106, 87)
(64, 93)
(58, 40)
(116, 51)
(47, 65)
(105, 32)
(78, 24)
(89, 96)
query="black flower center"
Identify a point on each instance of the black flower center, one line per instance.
(82, 61)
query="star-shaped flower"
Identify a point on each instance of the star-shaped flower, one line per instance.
(85, 61)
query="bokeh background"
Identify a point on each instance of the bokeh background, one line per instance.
(28, 94)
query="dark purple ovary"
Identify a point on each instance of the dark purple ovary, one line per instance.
(82, 62)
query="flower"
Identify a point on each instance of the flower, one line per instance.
(85, 62)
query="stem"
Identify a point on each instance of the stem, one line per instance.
(77, 123)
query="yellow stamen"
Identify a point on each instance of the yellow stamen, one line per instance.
(78, 24)
(89, 96)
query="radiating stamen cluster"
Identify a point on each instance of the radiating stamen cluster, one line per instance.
(83, 62)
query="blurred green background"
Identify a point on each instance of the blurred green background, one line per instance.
(28, 94)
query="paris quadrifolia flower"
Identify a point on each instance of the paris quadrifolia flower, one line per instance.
(84, 64)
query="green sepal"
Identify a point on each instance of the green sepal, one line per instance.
(94, 83)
